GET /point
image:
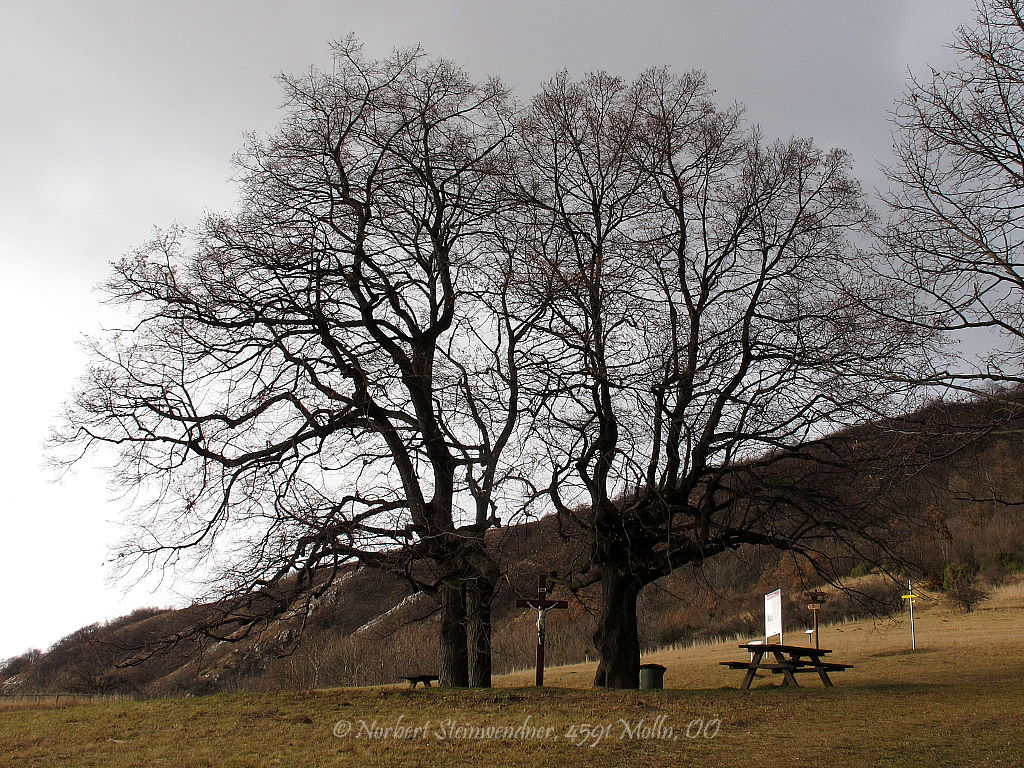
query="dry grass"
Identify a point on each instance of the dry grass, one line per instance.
(956, 702)
(53, 700)
(988, 641)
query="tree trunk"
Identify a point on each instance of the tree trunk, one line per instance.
(617, 642)
(480, 593)
(454, 663)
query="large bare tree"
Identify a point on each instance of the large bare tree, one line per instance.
(424, 305)
(956, 194)
(328, 374)
(704, 322)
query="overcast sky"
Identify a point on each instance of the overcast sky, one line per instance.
(118, 117)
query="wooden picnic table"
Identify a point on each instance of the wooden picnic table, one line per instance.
(788, 661)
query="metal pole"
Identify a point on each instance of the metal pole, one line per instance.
(913, 633)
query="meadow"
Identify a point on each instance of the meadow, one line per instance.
(956, 701)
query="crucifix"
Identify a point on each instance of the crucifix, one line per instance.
(543, 605)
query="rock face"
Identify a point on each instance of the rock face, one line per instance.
(11, 684)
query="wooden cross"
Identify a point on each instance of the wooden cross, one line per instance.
(543, 605)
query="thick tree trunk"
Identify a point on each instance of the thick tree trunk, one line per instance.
(617, 641)
(454, 662)
(480, 593)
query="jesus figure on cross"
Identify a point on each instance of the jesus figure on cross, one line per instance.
(543, 605)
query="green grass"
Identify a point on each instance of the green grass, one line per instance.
(957, 702)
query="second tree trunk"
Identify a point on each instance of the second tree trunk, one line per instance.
(617, 641)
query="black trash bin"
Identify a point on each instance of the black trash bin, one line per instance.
(652, 676)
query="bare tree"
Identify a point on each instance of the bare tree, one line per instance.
(956, 198)
(419, 309)
(704, 324)
(327, 375)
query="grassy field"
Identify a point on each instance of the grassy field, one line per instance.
(957, 701)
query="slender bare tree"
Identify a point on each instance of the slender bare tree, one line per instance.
(328, 375)
(956, 198)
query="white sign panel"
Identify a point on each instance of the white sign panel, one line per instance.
(773, 615)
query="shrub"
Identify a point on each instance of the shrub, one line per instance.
(957, 573)
(860, 569)
(963, 589)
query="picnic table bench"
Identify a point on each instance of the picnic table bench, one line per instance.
(425, 679)
(789, 660)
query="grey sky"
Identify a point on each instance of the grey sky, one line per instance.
(121, 116)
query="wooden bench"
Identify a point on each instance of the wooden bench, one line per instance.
(425, 679)
(803, 666)
(828, 666)
(735, 664)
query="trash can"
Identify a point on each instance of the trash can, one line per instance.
(652, 676)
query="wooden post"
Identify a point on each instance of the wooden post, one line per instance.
(539, 677)
(816, 599)
(542, 605)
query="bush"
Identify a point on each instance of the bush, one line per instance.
(962, 587)
(958, 573)
(860, 569)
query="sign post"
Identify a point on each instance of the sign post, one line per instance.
(816, 599)
(543, 605)
(909, 597)
(773, 615)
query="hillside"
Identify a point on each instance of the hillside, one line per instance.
(369, 628)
